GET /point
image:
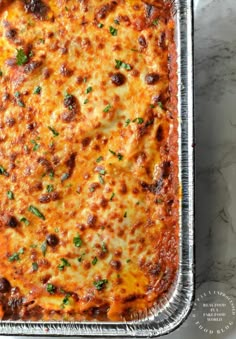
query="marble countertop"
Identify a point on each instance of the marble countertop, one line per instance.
(215, 111)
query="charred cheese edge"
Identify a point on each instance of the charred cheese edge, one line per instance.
(88, 158)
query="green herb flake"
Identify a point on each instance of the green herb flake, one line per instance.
(54, 132)
(100, 284)
(44, 248)
(117, 22)
(128, 261)
(17, 94)
(77, 241)
(68, 96)
(112, 152)
(125, 214)
(100, 25)
(20, 103)
(107, 108)
(121, 64)
(64, 263)
(89, 90)
(1, 73)
(91, 189)
(160, 104)
(34, 210)
(21, 57)
(65, 176)
(50, 188)
(36, 145)
(86, 101)
(101, 180)
(65, 301)
(127, 122)
(10, 195)
(51, 174)
(152, 106)
(37, 90)
(25, 221)
(80, 259)
(94, 261)
(138, 120)
(113, 31)
(102, 172)
(14, 257)
(35, 266)
(155, 22)
(112, 196)
(51, 288)
(104, 247)
(99, 159)
(120, 156)
(3, 171)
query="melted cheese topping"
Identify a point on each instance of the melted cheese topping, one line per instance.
(88, 158)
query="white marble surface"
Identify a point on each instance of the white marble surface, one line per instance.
(215, 109)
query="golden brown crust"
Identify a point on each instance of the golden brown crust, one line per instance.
(88, 158)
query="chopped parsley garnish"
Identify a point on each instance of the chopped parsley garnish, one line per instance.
(100, 284)
(155, 22)
(99, 159)
(65, 301)
(112, 196)
(25, 221)
(102, 172)
(10, 195)
(117, 22)
(160, 104)
(113, 31)
(65, 176)
(54, 132)
(1, 73)
(89, 89)
(122, 64)
(17, 94)
(3, 171)
(50, 188)
(51, 288)
(128, 261)
(77, 241)
(152, 106)
(20, 103)
(64, 263)
(100, 25)
(68, 96)
(127, 122)
(91, 189)
(42, 41)
(81, 257)
(44, 248)
(36, 212)
(125, 214)
(35, 266)
(118, 155)
(107, 108)
(138, 120)
(21, 57)
(51, 174)
(16, 256)
(94, 261)
(101, 180)
(86, 101)
(36, 145)
(37, 90)
(104, 247)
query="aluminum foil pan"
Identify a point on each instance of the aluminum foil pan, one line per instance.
(177, 305)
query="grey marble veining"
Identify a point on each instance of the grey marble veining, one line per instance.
(215, 110)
